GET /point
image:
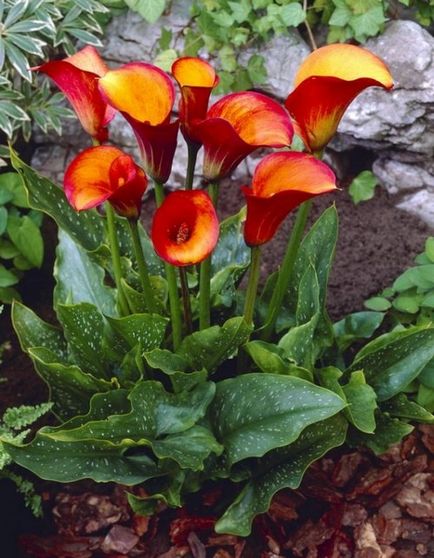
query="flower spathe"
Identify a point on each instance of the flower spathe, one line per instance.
(144, 94)
(185, 228)
(196, 79)
(238, 124)
(281, 182)
(104, 173)
(77, 77)
(326, 83)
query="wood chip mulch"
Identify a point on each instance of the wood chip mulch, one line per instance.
(350, 504)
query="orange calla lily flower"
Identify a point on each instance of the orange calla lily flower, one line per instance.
(281, 182)
(77, 77)
(238, 124)
(185, 229)
(326, 83)
(144, 94)
(105, 173)
(196, 79)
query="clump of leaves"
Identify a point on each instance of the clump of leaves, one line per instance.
(29, 29)
(21, 243)
(410, 302)
(14, 428)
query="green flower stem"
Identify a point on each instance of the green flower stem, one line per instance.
(205, 276)
(116, 258)
(142, 267)
(174, 302)
(193, 149)
(286, 269)
(252, 285)
(186, 300)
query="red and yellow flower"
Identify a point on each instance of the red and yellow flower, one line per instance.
(77, 77)
(281, 182)
(326, 83)
(196, 79)
(144, 94)
(185, 228)
(238, 124)
(104, 173)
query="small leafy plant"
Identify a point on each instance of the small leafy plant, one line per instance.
(14, 428)
(21, 243)
(164, 371)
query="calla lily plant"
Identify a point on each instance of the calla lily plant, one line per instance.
(167, 369)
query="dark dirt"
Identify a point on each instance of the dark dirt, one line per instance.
(376, 243)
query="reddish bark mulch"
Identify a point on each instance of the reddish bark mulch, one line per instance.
(350, 504)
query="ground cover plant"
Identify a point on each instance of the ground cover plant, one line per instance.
(164, 370)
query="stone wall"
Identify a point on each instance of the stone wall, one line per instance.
(398, 127)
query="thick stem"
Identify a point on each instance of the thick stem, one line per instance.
(142, 267)
(174, 302)
(286, 269)
(193, 148)
(252, 285)
(205, 277)
(186, 300)
(116, 258)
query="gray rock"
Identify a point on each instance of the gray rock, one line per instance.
(398, 176)
(283, 55)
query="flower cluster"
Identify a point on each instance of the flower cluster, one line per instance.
(185, 226)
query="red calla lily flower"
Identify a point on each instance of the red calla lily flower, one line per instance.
(238, 124)
(326, 83)
(185, 229)
(196, 79)
(77, 77)
(144, 94)
(105, 173)
(280, 183)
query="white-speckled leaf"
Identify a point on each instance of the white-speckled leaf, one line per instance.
(270, 358)
(255, 413)
(189, 449)
(34, 332)
(83, 327)
(210, 347)
(79, 279)
(282, 468)
(146, 329)
(389, 431)
(86, 228)
(390, 366)
(400, 406)
(175, 367)
(88, 459)
(70, 387)
(362, 402)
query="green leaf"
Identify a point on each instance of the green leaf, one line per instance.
(360, 325)
(256, 69)
(368, 24)
(426, 377)
(3, 219)
(271, 359)
(189, 449)
(150, 10)
(362, 188)
(34, 332)
(211, 347)
(86, 228)
(83, 328)
(282, 468)
(175, 367)
(255, 413)
(378, 304)
(145, 329)
(420, 276)
(292, 14)
(391, 362)
(407, 303)
(79, 279)
(401, 407)
(389, 431)
(7, 277)
(70, 387)
(27, 238)
(429, 248)
(362, 402)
